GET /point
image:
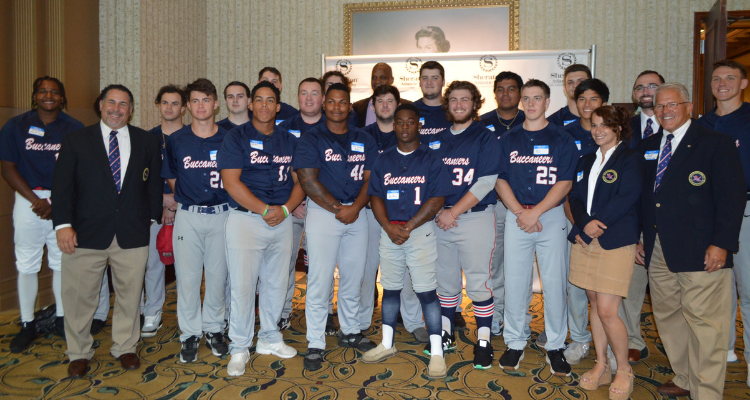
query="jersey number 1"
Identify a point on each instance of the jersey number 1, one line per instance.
(357, 172)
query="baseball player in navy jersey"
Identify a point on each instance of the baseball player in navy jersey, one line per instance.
(386, 98)
(202, 210)
(405, 195)
(333, 163)
(431, 81)
(310, 96)
(273, 75)
(466, 224)
(589, 95)
(237, 97)
(573, 75)
(331, 77)
(29, 144)
(255, 162)
(538, 163)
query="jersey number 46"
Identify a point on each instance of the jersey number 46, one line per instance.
(357, 172)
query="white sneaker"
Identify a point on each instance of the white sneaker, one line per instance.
(151, 324)
(732, 357)
(279, 349)
(237, 362)
(576, 352)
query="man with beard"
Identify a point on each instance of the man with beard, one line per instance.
(382, 74)
(236, 96)
(386, 99)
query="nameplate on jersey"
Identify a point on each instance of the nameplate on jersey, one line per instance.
(435, 145)
(541, 150)
(295, 133)
(651, 155)
(36, 131)
(278, 121)
(569, 121)
(358, 147)
(212, 153)
(256, 144)
(392, 195)
(491, 127)
(578, 144)
(579, 176)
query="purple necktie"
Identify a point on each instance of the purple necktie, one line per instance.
(649, 130)
(666, 154)
(114, 159)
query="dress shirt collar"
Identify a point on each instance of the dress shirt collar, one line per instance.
(654, 123)
(106, 130)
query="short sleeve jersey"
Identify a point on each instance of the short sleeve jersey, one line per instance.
(472, 154)
(562, 117)
(582, 138)
(298, 127)
(284, 113)
(532, 162)
(33, 146)
(341, 159)
(162, 147)
(227, 124)
(737, 125)
(384, 140)
(191, 160)
(265, 161)
(405, 182)
(432, 118)
(499, 125)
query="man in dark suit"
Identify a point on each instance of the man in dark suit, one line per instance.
(106, 193)
(693, 198)
(643, 125)
(382, 74)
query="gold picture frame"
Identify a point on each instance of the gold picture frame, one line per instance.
(350, 9)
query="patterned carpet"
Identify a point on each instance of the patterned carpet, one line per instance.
(40, 372)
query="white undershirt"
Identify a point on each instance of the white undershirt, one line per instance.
(596, 171)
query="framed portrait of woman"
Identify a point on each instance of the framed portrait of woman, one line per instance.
(430, 26)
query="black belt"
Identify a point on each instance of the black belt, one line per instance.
(206, 209)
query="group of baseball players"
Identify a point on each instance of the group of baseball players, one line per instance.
(437, 197)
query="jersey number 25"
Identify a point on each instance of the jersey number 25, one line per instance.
(546, 175)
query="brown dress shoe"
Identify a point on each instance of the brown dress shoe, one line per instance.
(670, 389)
(634, 356)
(130, 361)
(77, 368)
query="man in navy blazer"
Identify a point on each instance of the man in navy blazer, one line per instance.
(106, 193)
(642, 125)
(692, 202)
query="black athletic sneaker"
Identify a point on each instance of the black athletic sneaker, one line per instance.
(331, 327)
(459, 323)
(189, 351)
(449, 343)
(356, 341)
(217, 344)
(60, 327)
(511, 359)
(557, 363)
(285, 323)
(23, 339)
(313, 359)
(483, 355)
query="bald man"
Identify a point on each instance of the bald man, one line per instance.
(382, 74)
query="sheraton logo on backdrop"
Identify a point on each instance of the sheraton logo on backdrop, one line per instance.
(344, 66)
(565, 60)
(488, 63)
(413, 64)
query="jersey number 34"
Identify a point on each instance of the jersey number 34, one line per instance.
(460, 178)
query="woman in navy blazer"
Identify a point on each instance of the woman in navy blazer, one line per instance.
(603, 204)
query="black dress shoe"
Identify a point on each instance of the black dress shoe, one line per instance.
(97, 325)
(24, 338)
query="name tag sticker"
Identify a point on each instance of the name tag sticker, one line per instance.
(491, 127)
(36, 131)
(541, 150)
(651, 155)
(578, 144)
(256, 144)
(435, 145)
(579, 176)
(278, 121)
(213, 154)
(421, 120)
(295, 133)
(568, 121)
(358, 147)
(392, 195)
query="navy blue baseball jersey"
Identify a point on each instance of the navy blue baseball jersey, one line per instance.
(472, 154)
(432, 118)
(192, 161)
(582, 138)
(737, 125)
(532, 162)
(298, 127)
(341, 159)
(284, 113)
(562, 117)
(406, 181)
(499, 125)
(27, 142)
(163, 146)
(227, 124)
(265, 161)
(384, 140)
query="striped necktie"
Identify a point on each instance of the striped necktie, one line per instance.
(649, 130)
(666, 154)
(114, 159)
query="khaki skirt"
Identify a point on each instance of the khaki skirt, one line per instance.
(603, 271)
